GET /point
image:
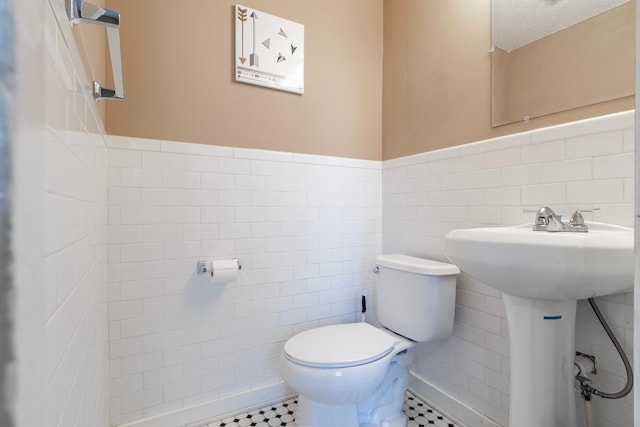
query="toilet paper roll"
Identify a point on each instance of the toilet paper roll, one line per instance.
(224, 271)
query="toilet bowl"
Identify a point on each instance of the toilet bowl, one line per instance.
(355, 374)
(343, 372)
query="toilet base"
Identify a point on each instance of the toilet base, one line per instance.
(400, 421)
(383, 409)
(311, 414)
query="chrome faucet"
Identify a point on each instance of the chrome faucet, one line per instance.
(548, 220)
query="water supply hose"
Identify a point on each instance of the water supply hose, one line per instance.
(588, 414)
(588, 389)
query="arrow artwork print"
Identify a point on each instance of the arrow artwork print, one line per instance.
(242, 17)
(253, 58)
(276, 57)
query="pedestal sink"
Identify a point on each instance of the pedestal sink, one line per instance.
(541, 275)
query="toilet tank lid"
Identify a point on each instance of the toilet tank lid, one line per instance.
(417, 265)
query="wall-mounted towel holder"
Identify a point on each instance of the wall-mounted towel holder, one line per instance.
(80, 11)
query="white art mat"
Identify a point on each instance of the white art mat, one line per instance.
(269, 50)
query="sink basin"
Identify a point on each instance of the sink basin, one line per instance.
(547, 265)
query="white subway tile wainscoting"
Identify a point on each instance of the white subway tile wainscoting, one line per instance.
(305, 228)
(73, 222)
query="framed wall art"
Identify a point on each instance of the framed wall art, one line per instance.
(269, 50)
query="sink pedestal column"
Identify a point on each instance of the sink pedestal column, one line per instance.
(542, 353)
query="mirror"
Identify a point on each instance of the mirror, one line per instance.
(555, 55)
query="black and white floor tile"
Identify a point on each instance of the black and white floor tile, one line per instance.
(419, 414)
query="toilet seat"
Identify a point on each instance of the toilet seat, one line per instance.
(339, 346)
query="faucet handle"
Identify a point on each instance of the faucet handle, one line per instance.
(577, 218)
(543, 216)
(543, 212)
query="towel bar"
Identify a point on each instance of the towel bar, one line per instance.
(80, 11)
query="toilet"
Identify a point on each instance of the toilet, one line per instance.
(355, 375)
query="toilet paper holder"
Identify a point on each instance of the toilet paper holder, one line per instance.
(201, 266)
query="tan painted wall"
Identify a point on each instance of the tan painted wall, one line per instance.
(435, 92)
(437, 74)
(179, 80)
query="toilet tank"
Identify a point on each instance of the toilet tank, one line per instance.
(415, 296)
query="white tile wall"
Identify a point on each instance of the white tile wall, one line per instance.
(75, 237)
(578, 165)
(306, 229)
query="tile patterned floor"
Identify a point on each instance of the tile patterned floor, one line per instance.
(419, 414)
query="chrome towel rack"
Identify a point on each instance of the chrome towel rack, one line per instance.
(80, 11)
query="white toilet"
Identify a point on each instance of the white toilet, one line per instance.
(356, 374)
